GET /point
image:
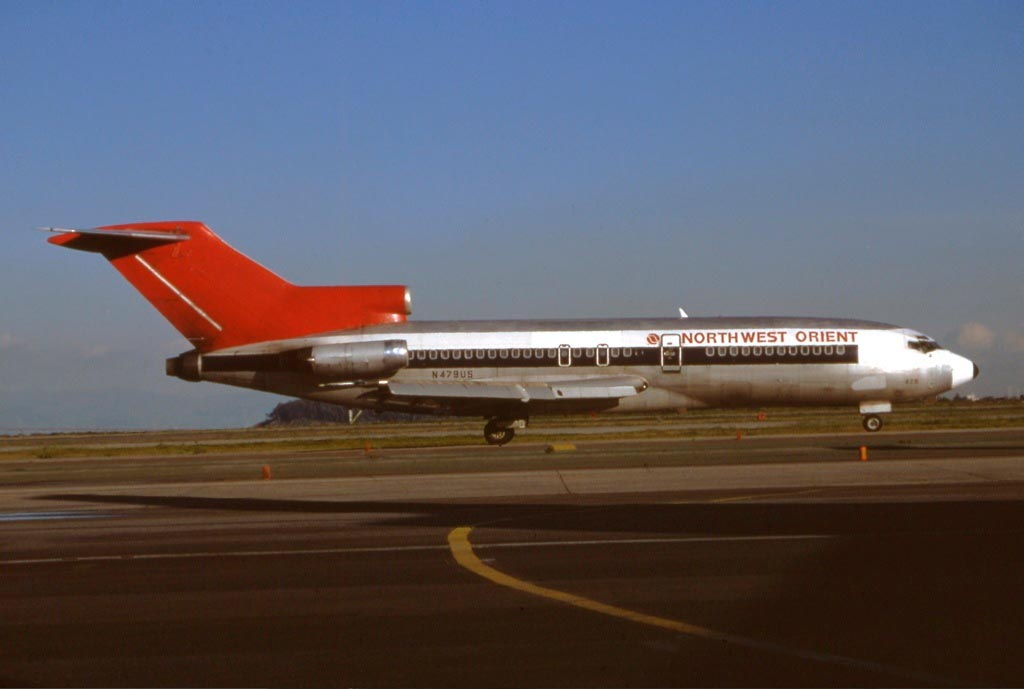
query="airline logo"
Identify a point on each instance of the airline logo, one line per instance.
(768, 337)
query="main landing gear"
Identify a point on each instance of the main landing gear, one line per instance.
(872, 423)
(501, 431)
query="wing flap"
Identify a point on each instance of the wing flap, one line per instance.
(602, 388)
(610, 387)
(468, 391)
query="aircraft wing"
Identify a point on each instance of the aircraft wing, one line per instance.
(598, 388)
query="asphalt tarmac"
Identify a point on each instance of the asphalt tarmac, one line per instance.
(781, 562)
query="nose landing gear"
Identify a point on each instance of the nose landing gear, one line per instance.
(870, 411)
(872, 423)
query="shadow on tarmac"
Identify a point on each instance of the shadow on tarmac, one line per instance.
(933, 585)
(832, 518)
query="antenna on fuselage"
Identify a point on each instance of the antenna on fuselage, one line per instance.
(682, 314)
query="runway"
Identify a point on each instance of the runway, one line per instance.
(781, 561)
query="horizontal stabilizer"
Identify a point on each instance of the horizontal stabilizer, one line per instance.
(112, 241)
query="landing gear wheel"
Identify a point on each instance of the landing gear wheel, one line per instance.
(498, 435)
(872, 423)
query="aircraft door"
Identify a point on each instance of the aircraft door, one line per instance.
(671, 353)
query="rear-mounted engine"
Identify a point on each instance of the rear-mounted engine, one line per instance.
(356, 361)
(187, 366)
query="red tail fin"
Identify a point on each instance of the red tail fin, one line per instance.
(217, 297)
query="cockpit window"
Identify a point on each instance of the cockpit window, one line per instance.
(923, 344)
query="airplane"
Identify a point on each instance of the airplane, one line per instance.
(354, 346)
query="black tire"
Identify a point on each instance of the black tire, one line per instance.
(498, 436)
(872, 423)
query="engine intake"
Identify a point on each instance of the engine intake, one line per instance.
(358, 360)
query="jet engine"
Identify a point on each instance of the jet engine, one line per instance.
(357, 360)
(187, 366)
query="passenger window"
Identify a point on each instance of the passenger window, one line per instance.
(433, 354)
(492, 354)
(503, 353)
(615, 352)
(590, 353)
(816, 351)
(627, 352)
(757, 351)
(515, 353)
(527, 353)
(552, 353)
(769, 351)
(804, 351)
(745, 351)
(733, 351)
(480, 354)
(444, 354)
(457, 354)
(840, 349)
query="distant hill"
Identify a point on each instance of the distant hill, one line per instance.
(307, 412)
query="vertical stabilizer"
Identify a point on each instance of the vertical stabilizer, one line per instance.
(217, 297)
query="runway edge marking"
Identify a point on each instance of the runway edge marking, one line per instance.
(462, 551)
(305, 552)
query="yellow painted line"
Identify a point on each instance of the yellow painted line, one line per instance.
(462, 550)
(755, 496)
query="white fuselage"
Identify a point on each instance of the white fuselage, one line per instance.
(685, 362)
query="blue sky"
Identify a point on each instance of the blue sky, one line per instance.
(509, 160)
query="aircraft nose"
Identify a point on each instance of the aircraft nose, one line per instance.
(964, 370)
